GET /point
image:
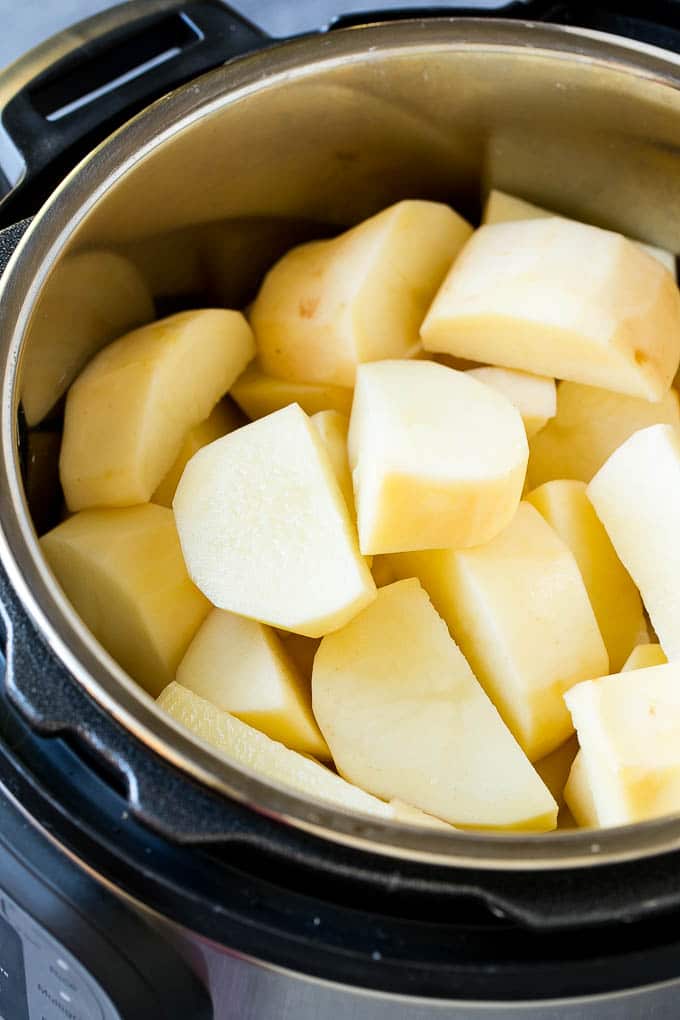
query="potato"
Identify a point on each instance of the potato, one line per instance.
(128, 413)
(258, 394)
(240, 666)
(555, 767)
(243, 745)
(124, 574)
(613, 596)
(643, 656)
(589, 425)
(332, 428)
(265, 530)
(404, 717)
(223, 419)
(519, 610)
(328, 306)
(628, 727)
(437, 457)
(636, 495)
(76, 317)
(560, 298)
(578, 795)
(502, 208)
(534, 396)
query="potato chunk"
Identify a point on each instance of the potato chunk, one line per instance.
(128, 413)
(589, 425)
(520, 612)
(534, 396)
(223, 419)
(628, 726)
(265, 530)
(613, 596)
(258, 394)
(404, 717)
(124, 573)
(645, 655)
(563, 299)
(332, 428)
(437, 457)
(327, 306)
(240, 666)
(636, 495)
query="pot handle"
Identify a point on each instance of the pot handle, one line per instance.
(67, 95)
(656, 22)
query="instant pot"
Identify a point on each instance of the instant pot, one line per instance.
(141, 875)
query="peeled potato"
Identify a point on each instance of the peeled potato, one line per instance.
(636, 495)
(124, 573)
(644, 655)
(589, 425)
(328, 306)
(628, 727)
(247, 747)
(128, 413)
(258, 394)
(520, 612)
(223, 419)
(501, 208)
(437, 457)
(563, 299)
(613, 596)
(265, 530)
(404, 717)
(241, 666)
(332, 428)
(534, 396)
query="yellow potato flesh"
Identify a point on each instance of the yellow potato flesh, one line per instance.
(502, 208)
(223, 419)
(240, 666)
(589, 425)
(129, 411)
(578, 795)
(628, 727)
(519, 296)
(124, 574)
(520, 612)
(404, 717)
(613, 596)
(328, 306)
(265, 530)
(636, 495)
(534, 396)
(258, 394)
(644, 655)
(437, 457)
(332, 428)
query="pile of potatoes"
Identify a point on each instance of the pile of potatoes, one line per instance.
(407, 537)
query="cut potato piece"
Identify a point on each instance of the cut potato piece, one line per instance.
(613, 596)
(240, 666)
(628, 727)
(636, 495)
(645, 655)
(327, 306)
(265, 530)
(245, 746)
(258, 394)
(124, 574)
(127, 414)
(502, 208)
(75, 318)
(223, 419)
(554, 769)
(519, 610)
(534, 396)
(578, 795)
(332, 428)
(392, 681)
(589, 425)
(562, 299)
(437, 457)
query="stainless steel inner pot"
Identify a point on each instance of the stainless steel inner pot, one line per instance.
(203, 191)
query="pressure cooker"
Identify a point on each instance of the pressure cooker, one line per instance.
(140, 874)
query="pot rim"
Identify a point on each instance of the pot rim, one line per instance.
(69, 639)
